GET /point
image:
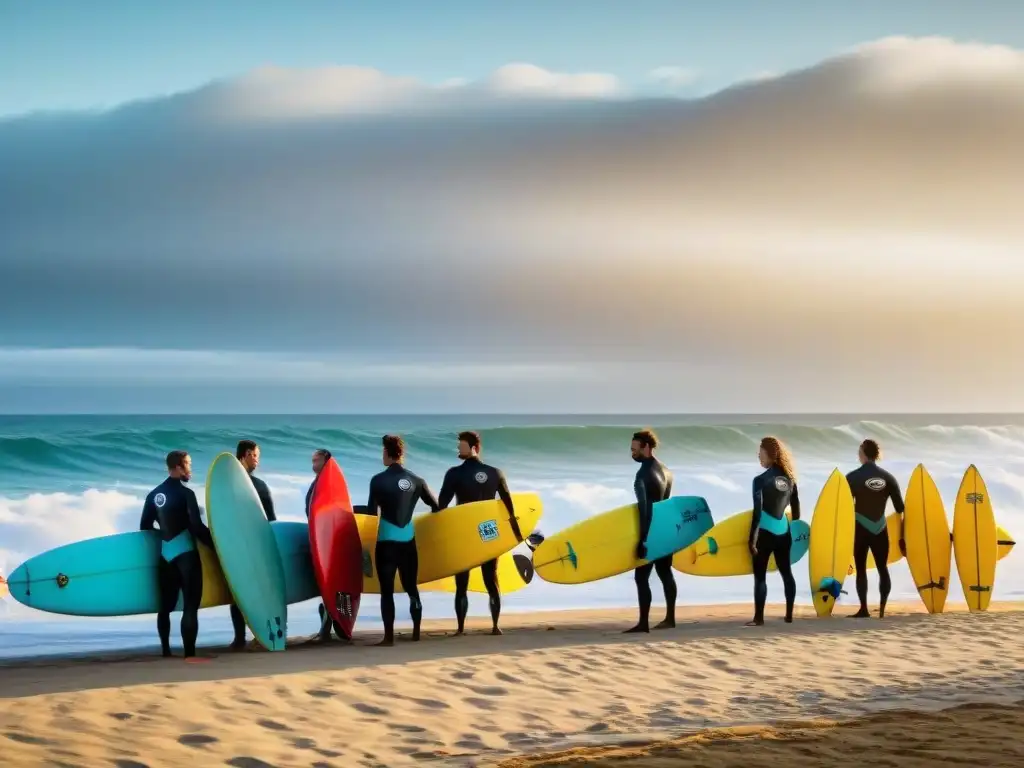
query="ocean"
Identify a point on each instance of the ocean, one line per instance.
(65, 478)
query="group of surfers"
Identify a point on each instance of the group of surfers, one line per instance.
(394, 493)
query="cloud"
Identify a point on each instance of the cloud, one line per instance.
(674, 78)
(534, 218)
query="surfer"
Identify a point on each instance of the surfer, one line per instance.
(470, 481)
(248, 454)
(320, 457)
(774, 490)
(872, 487)
(653, 483)
(173, 507)
(394, 492)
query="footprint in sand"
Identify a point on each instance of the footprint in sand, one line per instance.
(406, 728)
(480, 703)
(244, 761)
(505, 678)
(129, 764)
(120, 715)
(369, 709)
(303, 743)
(430, 703)
(23, 738)
(489, 690)
(597, 728)
(273, 725)
(320, 693)
(463, 675)
(196, 739)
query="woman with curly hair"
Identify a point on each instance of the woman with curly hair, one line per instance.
(774, 490)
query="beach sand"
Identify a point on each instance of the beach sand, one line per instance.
(557, 688)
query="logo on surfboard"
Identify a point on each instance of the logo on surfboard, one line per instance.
(488, 530)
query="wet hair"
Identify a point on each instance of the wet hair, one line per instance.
(176, 459)
(394, 446)
(323, 453)
(244, 446)
(780, 456)
(646, 437)
(871, 450)
(472, 439)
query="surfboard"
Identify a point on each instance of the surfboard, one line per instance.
(927, 537)
(975, 540)
(831, 548)
(515, 571)
(605, 545)
(335, 547)
(462, 537)
(724, 551)
(116, 575)
(247, 549)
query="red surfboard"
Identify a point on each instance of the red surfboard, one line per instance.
(335, 546)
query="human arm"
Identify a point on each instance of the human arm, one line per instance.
(196, 525)
(794, 503)
(427, 496)
(896, 496)
(755, 516)
(148, 521)
(643, 508)
(447, 490)
(266, 499)
(506, 498)
(372, 500)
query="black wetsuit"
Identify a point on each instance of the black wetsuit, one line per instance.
(653, 483)
(872, 487)
(470, 481)
(769, 532)
(173, 506)
(267, 501)
(395, 492)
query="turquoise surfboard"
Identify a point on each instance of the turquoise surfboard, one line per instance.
(116, 575)
(247, 550)
(676, 523)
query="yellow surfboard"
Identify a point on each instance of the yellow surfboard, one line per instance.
(831, 542)
(730, 554)
(1004, 543)
(215, 586)
(927, 536)
(458, 538)
(975, 540)
(510, 577)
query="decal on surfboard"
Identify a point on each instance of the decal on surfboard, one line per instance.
(488, 530)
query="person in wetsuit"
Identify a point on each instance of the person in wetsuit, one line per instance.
(872, 487)
(173, 507)
(774, 490)
(394, 493)
(320, 457)
(470, 481)
(248, 454)
(653, 483)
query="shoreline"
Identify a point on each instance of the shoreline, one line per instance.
(555, 681)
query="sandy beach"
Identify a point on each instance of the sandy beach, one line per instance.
(556, 688)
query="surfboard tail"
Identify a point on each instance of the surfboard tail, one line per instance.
(524, 566)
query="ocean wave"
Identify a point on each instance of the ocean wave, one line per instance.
(79, 449)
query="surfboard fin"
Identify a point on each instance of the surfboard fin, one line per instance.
(712, 546)
(524, 566)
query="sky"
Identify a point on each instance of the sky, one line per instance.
(496, 207)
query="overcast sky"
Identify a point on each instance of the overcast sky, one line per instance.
(846, 236)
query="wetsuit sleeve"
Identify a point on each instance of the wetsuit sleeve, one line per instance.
(503, 493)
(427, 496)
(372, 502)
(148, 521)
(643, 506)
(668, 484)
(794, 503)
(758, 504)
(266, 500)
(196, 525)
(447, 490)
(895, 494)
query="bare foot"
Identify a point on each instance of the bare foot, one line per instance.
(495, 631)
(667, 624)
(637, 629)
(387, 641)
